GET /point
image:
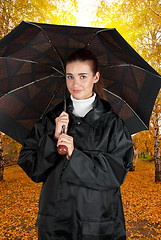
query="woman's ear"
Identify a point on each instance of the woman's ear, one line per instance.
(96, 77)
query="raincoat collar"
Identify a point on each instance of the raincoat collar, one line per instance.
(93, 117)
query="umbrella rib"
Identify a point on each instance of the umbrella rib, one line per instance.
(29, 61)
(51, 100)
(131, 65)
(50, 42)
(127, 105)
(28, 84)
(94, 35)
(128, 64)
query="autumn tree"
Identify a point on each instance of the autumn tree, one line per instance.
(155, 122)
(140, 25)
(136, 142)
(9, 145)
(1, 160)
(143, 142)
(66, 13)
(12, 12)
(145, 23)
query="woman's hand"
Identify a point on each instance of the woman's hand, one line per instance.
(66, 140)
(61, 121)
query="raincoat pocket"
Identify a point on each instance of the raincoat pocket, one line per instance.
(98, 230)
(63, 231)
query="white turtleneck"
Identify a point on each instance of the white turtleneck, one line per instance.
(82, 107)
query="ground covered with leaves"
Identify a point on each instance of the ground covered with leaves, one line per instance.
(141, 198)
(142, 202)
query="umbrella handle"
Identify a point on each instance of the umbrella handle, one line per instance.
(62, 149)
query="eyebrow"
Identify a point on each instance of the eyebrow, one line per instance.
(78, 73)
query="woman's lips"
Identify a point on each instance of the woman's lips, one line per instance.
(77, 91)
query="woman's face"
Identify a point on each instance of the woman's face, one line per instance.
(80, 79)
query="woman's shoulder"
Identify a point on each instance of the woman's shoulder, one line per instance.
(109, 114)
(106, 107)
(105, 104)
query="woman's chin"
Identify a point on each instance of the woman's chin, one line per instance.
(77, 94)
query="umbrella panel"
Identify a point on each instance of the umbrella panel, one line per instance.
(51, 44)
(132, 96)
(34, 54)
(22, 108)
(18, 73)
(131, 120)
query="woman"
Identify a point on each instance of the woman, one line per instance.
(80, 196)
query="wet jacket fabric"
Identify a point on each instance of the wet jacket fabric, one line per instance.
(80, 198)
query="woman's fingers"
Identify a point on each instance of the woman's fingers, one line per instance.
(67, 141)
(64, 138)
(64, 114)
(61, 136)
(61, 121)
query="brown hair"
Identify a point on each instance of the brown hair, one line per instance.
(86, 55)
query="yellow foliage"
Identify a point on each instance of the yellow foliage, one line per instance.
(145, 141)
(42, 11)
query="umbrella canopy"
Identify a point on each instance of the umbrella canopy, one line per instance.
(32, 74)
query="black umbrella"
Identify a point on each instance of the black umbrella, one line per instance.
(32, 74)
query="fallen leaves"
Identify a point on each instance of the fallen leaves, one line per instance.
(19, 204)
(142, 202)
(141, 199)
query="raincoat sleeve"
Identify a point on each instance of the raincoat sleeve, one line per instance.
(102, 170)
(39, 152)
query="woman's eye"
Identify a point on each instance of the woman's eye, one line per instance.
(69, 77)
(83, 77)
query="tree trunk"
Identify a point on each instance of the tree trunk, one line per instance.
(157, 158)
(1, 160)
(136, 159)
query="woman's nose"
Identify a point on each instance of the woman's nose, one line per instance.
(76, 82)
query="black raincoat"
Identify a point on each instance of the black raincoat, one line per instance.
(80, 198)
